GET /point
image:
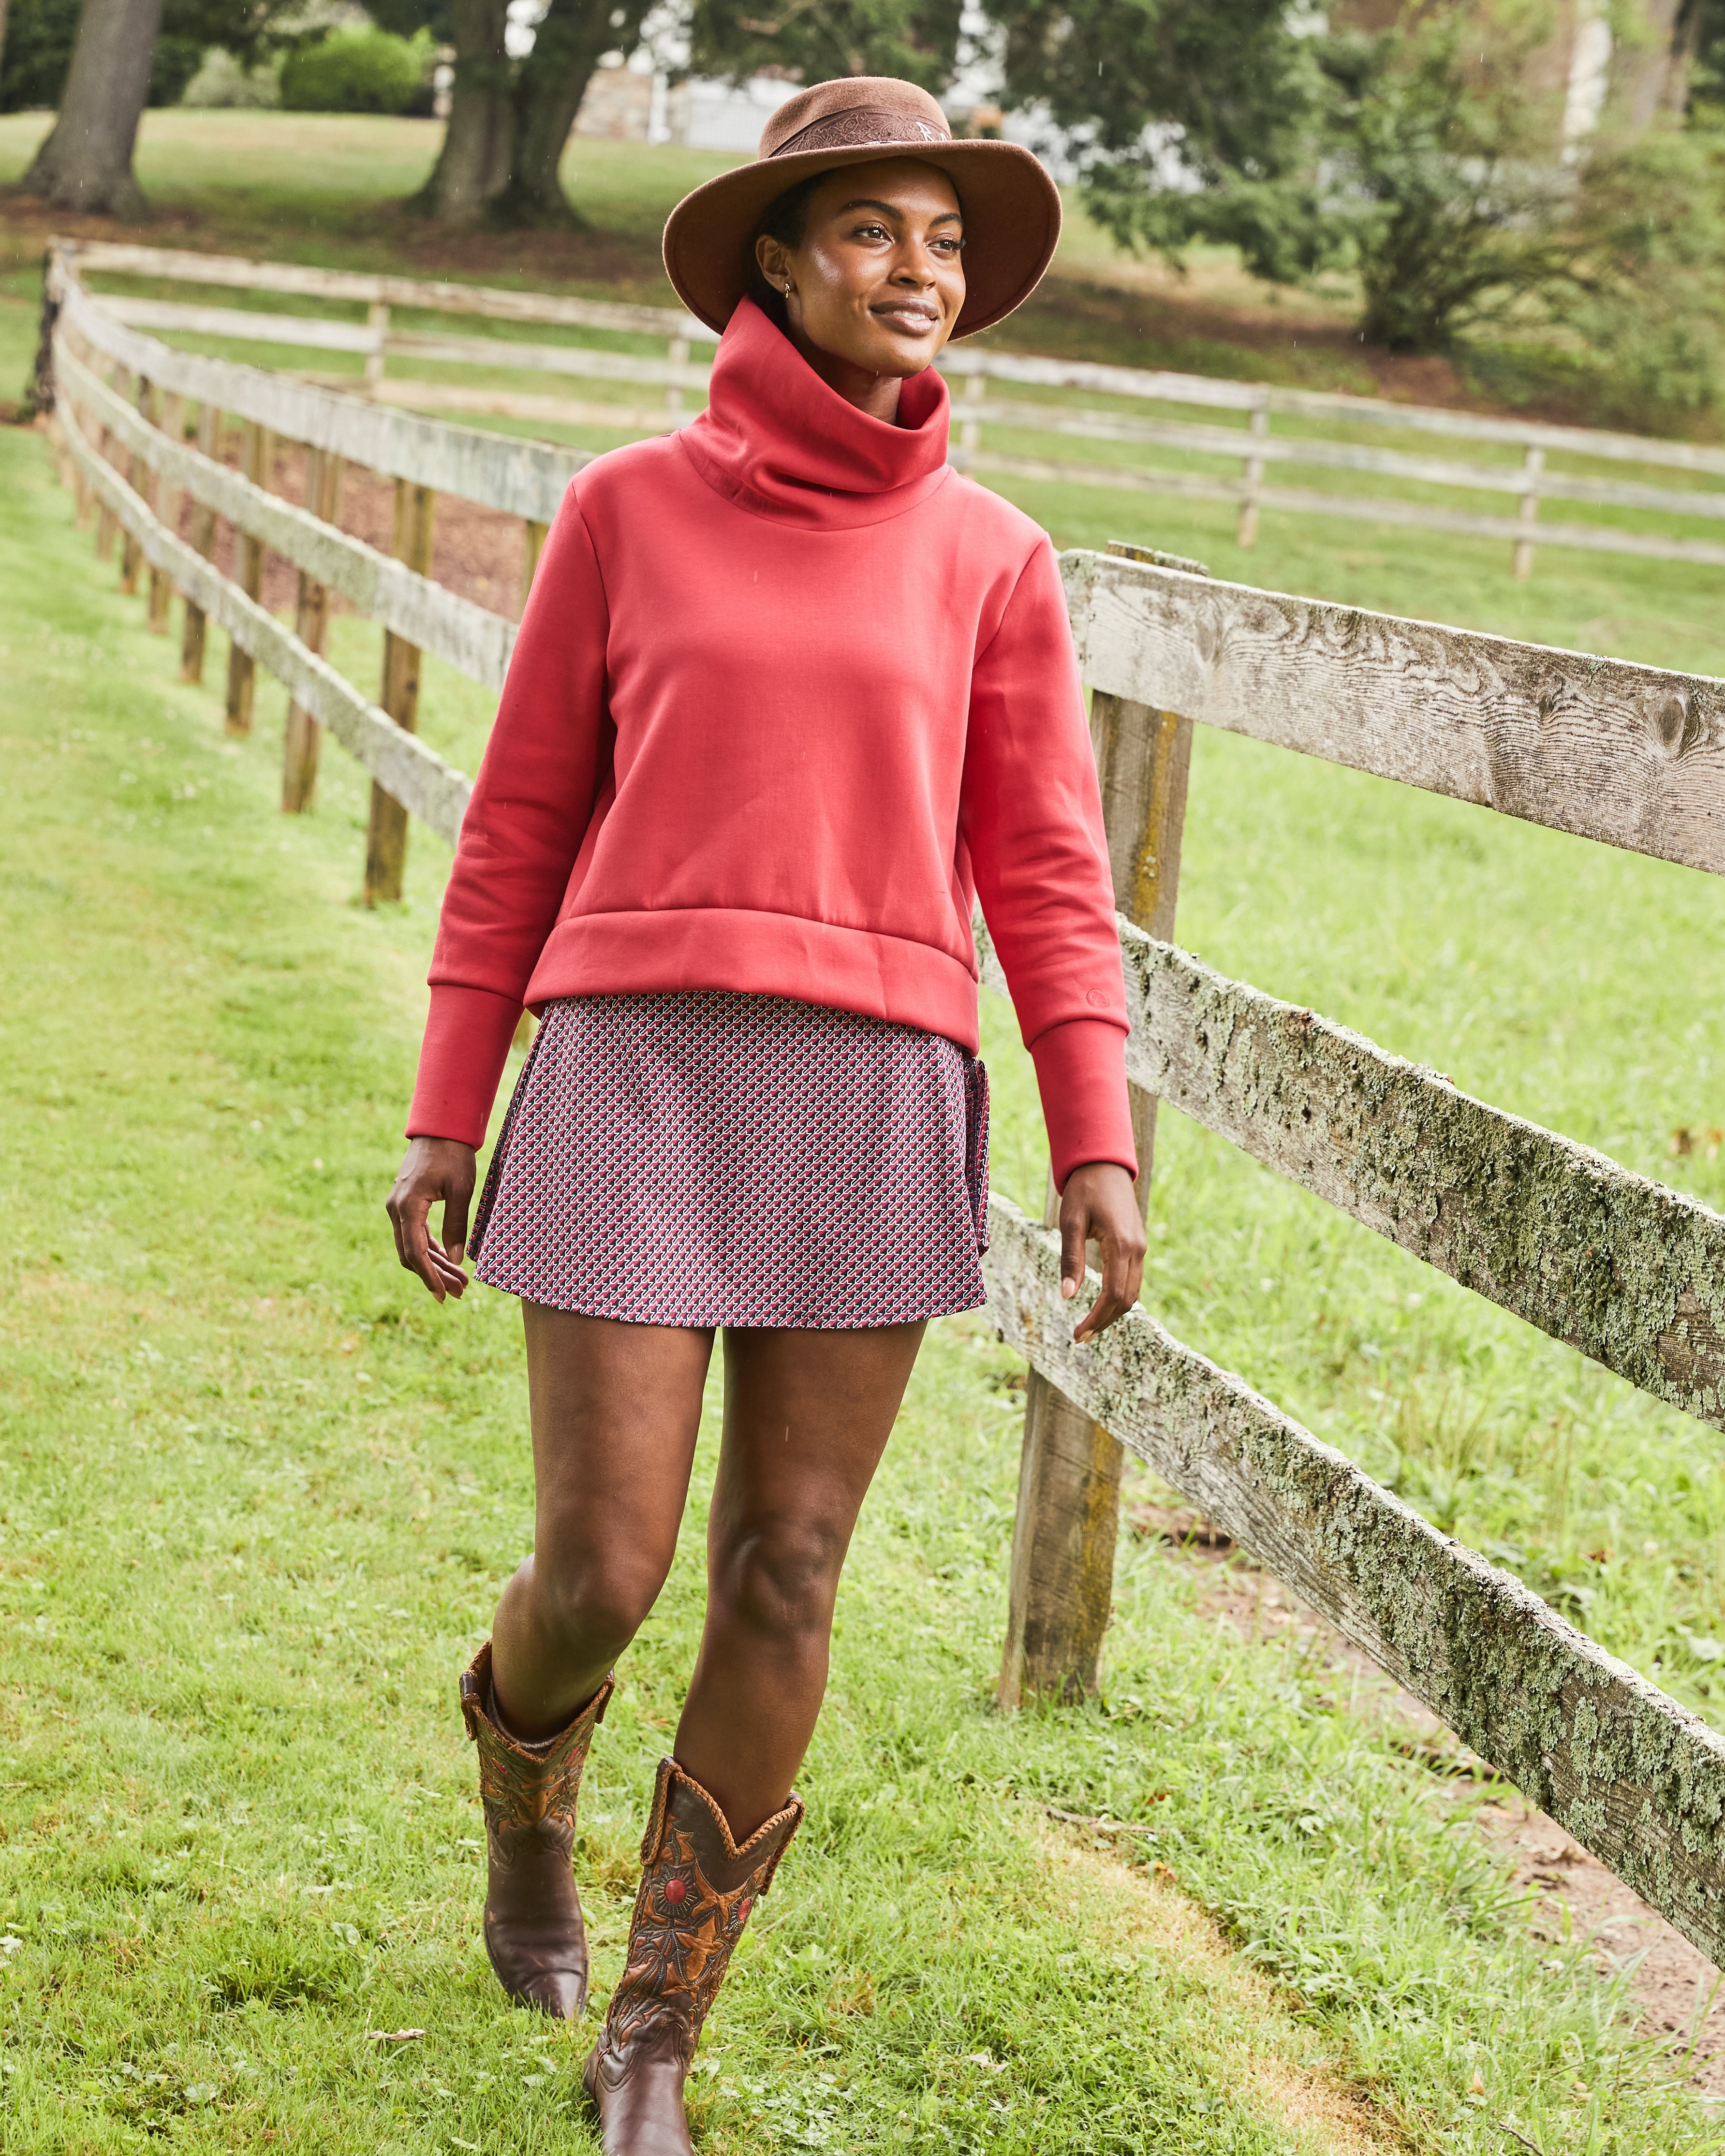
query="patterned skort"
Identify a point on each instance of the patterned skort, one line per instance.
(711, 1158)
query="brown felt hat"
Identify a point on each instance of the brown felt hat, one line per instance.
(1012, 208)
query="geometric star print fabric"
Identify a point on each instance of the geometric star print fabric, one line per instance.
(708, 1158)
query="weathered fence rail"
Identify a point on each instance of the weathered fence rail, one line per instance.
(1253, 447)
(1630, 1272)
(1632, 755)
(1633, 1776)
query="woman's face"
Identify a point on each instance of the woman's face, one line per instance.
(878, 280)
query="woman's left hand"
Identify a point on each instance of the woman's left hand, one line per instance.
(1099, 1205)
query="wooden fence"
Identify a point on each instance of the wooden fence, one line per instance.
(1630, 1272)
(1253, 446)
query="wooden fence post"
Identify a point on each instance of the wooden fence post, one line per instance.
(138, 475)
(107, 524)
(386, 834)
(533, 538)
(678, 356)
(84, 492)
(1531, 466)
(203, 541)
(257, 460)
(301, 740)
(970, 429)
(1247, 534)
(171, 417)
(377, 319)
(1068, 1518)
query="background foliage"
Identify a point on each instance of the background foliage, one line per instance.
(368, 71)
(916, 39)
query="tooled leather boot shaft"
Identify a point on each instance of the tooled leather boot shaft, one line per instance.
(697, 1890)
(535, 1935)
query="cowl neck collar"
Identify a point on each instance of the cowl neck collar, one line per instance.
(776, 440)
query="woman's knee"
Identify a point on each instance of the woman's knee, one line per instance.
(590, 1608)
(780, 1576)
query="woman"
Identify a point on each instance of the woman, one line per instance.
(789, 693)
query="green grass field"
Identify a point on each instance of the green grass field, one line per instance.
(259, 1498)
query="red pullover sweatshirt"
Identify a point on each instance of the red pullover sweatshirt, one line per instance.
(789, 693)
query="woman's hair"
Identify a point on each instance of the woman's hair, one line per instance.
(786, 217)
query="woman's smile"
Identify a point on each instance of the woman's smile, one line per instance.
(916, 318)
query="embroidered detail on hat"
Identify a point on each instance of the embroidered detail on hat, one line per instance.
(867, 128)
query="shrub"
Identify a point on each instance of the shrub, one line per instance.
(355, 71)
(223, 83)
(1646, 294)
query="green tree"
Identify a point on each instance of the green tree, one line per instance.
(1170, 103)
(814, 39)
(1643, 291)
(1421, 161)
(508, 118)
(1443, 190)
(99, 64)
(1706, 68)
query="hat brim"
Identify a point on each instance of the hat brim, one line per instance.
(1012, 224)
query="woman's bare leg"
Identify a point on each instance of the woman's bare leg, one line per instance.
(807, 1418)
(615, 1412)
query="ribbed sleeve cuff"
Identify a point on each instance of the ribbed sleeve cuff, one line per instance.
(467, 1037)
(1080, 1073)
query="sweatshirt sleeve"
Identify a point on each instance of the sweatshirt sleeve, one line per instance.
(531, 807)
(1031, 817)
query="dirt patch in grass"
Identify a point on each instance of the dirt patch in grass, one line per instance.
(1284, 2068)
(1678, 1995)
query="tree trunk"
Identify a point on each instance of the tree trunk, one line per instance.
(85, 164)
(473, 167)
(1656, 73)
(567, 45)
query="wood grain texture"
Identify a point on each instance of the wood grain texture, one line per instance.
(469, 638)
(526, 479)
(1061, 1584)
(1635, 1778)
(413, 773)
(1068, 1517)
(1633, 756)
(1623, 1269)
(1620, 1266)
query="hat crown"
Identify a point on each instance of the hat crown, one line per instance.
(855, 112)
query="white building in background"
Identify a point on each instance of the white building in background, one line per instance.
(635, 101)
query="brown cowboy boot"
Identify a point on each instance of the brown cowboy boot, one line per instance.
(697, 1888)
(534, 1933)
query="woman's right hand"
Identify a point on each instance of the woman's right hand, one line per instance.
(433, 1171)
